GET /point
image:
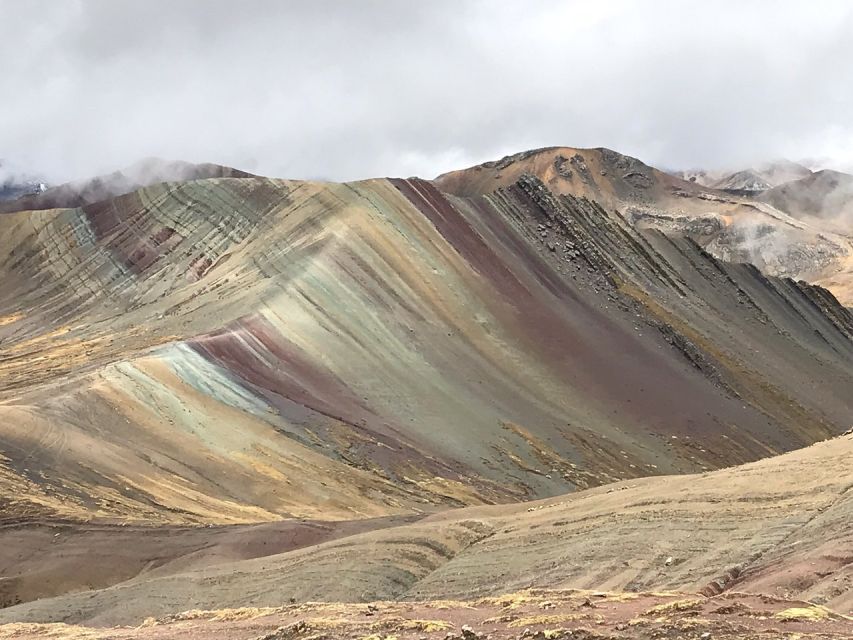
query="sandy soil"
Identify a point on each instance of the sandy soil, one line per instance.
(534, 614)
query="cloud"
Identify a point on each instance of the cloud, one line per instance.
(345, 90)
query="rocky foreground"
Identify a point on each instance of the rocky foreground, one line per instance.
(537, 614)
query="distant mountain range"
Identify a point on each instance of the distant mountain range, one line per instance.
(37, 196)
(760, 178)
(13, 185)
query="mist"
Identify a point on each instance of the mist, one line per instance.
(347, 90)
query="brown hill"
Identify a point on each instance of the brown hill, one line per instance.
(606, 176)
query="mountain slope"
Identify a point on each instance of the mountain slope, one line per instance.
(733, 226)
(241, 350)
(603, 175)
(780, 527)
(824, 199)
(824, 194)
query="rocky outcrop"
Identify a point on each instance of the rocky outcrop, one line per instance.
(728, 215)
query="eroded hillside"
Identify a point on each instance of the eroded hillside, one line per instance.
(730, 216)
(242, 350)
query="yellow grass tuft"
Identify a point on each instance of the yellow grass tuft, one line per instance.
(221, 615)
(405, 624)
(794, 614)
(679, 606)
(554, 618)
(511, 600)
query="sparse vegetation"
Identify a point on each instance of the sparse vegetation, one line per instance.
(677, 606)
(794, 614)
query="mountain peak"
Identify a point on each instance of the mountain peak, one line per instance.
(597, 173)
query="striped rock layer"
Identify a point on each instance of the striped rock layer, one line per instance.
(244, 349)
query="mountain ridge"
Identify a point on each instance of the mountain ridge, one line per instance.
(301, 340)
(141, 174)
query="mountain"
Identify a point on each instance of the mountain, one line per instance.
(388, 347)
(606, 176)
(12, 190)
(16, 184)
(763, 177)
(824, 200)
(144, 173)
(234, 391)
(747, 181)
(826, 194)
(733, 226)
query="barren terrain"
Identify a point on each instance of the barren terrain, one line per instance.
(528, 397)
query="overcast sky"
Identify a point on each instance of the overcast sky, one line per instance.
(353, 89)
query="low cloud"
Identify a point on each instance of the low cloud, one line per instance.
(346, 90)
